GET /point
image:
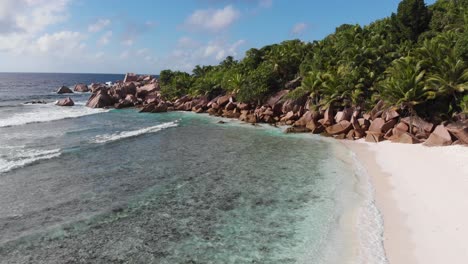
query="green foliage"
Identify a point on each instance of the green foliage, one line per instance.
(461, 46)
(286, 58)
(447, 71)
(448, 15)
(404, 86)
(413, 17)
(253, 58)
(228, 62)
(415, 59)
(311, 84)
(207, 83)
(464, 104)
(174, 84)
(299, 92)
(233, 81)
(258, 84)
(165, 77)
(450, 76)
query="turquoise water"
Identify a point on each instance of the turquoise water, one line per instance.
(124, 187)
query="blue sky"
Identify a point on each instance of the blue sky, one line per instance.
(145, 36)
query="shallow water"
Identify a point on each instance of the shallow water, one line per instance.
(120, 186)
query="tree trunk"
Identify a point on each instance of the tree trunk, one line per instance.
(411, 120)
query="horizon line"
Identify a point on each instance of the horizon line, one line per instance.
(77, 73)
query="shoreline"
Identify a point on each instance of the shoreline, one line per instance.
(409, 233)
(279, 133)
(423, 211)
(397, 247)
(363, 245)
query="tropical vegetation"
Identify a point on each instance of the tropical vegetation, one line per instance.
(415, 60)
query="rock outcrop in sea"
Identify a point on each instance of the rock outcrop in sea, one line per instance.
(380, 123)
(64, 89)
(81, 88)
(65, 102)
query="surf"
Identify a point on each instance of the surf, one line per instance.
(45, 113)
(100, 139)
(23, 158)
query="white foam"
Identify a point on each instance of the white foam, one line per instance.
(22, 158)
(370, 222)
(46, 113)
(133, 133)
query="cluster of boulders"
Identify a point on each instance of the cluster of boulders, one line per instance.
(81, 88)
(132, 91)
(381, 123)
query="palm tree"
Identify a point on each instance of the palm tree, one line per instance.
(331, 91)
(311, 84)
(286, 58)
(404, 86)
(450, 78)
(235, 82)
(447, 72)
(464, 104)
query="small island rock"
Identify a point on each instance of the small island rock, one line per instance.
(82, 88)
(65, 102)
(64, 89)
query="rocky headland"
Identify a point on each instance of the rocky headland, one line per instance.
(378, 124)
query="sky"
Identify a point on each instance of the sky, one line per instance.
(147, 36)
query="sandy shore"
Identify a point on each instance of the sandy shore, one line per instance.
(422, 194)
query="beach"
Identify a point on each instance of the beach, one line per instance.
(113, 185)
(422, 195)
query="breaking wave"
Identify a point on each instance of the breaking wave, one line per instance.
(26, 157)
(46, 113)
(133, 133)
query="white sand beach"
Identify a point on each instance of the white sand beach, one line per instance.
(422, 193)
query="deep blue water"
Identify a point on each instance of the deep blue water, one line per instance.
(80, 185)
(22, 87)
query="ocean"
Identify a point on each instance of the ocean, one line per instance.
(81, 185)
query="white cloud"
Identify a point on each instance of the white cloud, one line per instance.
(8, 21)
(99, 25)
(22, 22)
(299, 28)
(105, 38)
(219, 50)
(31, 16)
(185, 58)
(60, 43)
(26, 34)
(213, 20)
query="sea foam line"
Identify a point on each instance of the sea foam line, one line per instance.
(133, 133)
(47, 113)
(26, 158)
(370, 222)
